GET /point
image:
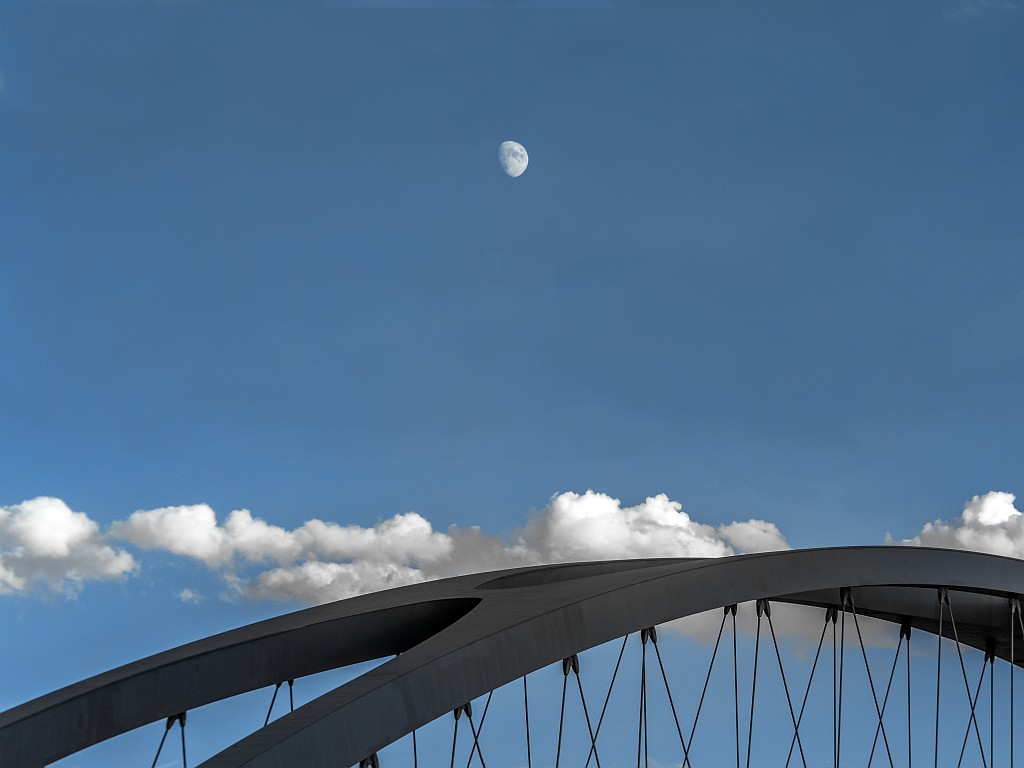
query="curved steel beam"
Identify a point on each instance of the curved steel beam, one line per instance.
(459, 638)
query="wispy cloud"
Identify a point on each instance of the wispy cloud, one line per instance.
(188, 596)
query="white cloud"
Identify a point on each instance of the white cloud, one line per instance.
(188, 596)
(753, 536)
(322, 561)
(989, 523)
(594, 526)
(44, 542)
(191, 531)
(316, 582)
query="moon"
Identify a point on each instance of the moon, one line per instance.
(513, 158)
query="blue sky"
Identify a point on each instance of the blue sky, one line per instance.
(765, 261)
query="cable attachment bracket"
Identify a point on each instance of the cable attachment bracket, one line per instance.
(905, 629)
(467, 708)
(846, 598)
(370, 762)
(764, 607)
(730, 609)
(649, 634)
(178, 718)
(573, 663)
(832, 614)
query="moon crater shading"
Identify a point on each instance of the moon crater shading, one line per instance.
(513, 158)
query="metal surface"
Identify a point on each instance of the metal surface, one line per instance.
(462, 637)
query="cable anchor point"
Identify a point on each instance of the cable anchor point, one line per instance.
(573, 663)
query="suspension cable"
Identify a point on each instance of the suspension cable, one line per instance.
(600, 720)
(807, 691)
(640, 732)
(842, 658)
(526, 706)
(1014, 608)
(586, 713)
(753, 687)
(1020, 622)
(991, 653)
(291, 697)
(938, 672)
(835, 726)
(181, 722)
(561, 714)
(707, 679)
(785, 686)
(167, 729)
(415, 756)
(905, 632)
(735, 682)
(871, 684)
(180, 719)
(272, 700)
(967, 732)
(476, 733)
(967, 685)
(479, 731)
(885, 699)
(654, 639)
(455, 733)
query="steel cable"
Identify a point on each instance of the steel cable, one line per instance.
(643, 700)
(272, 700)
(672, 706)
(707, 679)
(807, 691)
(478, 731)
(586, 716)
(885, 699)
(561, 721)
(871, 683)
(753, 687)
(839, 718)
(967, 685)
(785, 688)
(736, 684)
(526, 707)
(967, 732)
(600, 720)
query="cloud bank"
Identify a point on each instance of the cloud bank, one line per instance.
(989, 523)
(46, 546)
(43, 543)
(322, 561)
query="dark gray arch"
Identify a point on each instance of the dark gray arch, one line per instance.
(461, 637)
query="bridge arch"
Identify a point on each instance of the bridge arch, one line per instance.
(459, 638)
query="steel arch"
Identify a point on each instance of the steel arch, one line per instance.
(461, 637)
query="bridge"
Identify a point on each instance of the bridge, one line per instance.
(449, 645)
